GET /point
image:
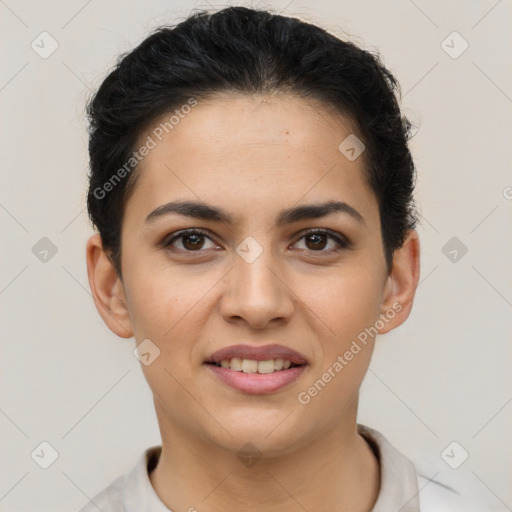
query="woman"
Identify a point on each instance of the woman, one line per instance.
(252, 189)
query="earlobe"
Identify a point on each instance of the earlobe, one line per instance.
(107, 289)
(401, 283)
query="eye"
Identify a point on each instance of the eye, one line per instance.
(191, 240)
(317, 240)
(196, 240)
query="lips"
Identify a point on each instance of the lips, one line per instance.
(258, 353)
(257, 369)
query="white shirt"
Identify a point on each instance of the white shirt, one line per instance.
(402, 489)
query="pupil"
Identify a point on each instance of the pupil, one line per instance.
(317, 241)
(196, 241)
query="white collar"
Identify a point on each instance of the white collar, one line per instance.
(398, 486)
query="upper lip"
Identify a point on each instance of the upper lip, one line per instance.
(258, 353)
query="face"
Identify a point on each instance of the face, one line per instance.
(256, 269)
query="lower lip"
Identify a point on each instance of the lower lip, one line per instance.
(257, 383)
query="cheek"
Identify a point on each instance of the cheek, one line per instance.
(168, 308)
(347, 302)
(162, 301)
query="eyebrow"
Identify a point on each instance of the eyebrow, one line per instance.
(203, 211)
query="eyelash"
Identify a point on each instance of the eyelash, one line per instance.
(342, 242)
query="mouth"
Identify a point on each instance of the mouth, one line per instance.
(257, 370)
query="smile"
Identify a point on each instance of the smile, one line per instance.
(256, 382)
(253, 366)
(256, 369)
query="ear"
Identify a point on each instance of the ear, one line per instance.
(107, 289)
(401, 283)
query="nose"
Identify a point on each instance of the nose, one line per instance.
(257, 293)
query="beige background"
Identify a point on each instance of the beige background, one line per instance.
(443, 377)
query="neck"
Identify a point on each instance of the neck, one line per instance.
(337, 471)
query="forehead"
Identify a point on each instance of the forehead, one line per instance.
(251, 152)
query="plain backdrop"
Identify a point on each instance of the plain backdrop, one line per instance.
(443, 377)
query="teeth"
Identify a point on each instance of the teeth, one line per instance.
(266, 366)
(249, 366)
(236, 364)
(253, 366)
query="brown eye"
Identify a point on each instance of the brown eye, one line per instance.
(189, 241)
(193, 241)
(318, 240)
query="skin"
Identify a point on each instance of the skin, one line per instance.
(241, 154)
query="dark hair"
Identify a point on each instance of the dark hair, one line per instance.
(247, 51)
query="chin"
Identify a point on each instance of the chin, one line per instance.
(264, 430)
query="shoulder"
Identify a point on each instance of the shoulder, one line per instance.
(436, 497)
(109, 499)
(132, 491)
(403, 485)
